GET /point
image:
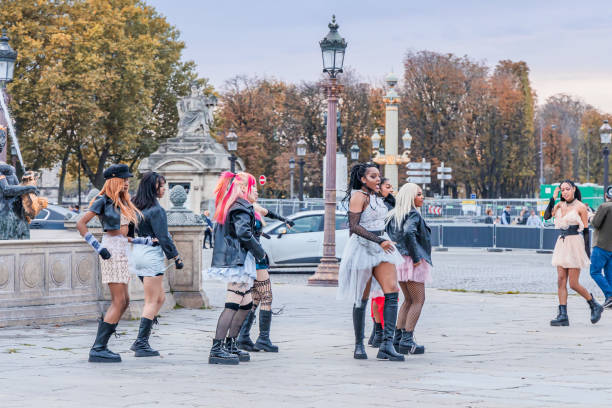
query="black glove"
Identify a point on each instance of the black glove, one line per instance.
(274, 216)
(178, 263)
(105, 254)
(289, 223)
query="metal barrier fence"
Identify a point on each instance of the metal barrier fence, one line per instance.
(494, 236)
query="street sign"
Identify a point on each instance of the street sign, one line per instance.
(473, 196)
(419, 166)
(444, 176)
(445, 170)
(262, 180)
(418, 173)
(419, 180)
(434, 210)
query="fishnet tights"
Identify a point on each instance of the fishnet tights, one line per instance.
(262, 291)
(231, 318)
(410, 311)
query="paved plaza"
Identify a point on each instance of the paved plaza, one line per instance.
(483, 350)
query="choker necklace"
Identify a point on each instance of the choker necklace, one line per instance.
(570, 202)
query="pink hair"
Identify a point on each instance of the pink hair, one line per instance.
(227, 192)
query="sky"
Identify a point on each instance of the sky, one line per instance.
(565, 43)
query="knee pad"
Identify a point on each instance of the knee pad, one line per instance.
(232, 306)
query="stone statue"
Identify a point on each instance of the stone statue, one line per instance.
(13, 223)
(195, 113)
(2, 138)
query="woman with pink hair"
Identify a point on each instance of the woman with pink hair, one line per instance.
(234, 259)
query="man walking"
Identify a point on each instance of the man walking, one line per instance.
(601, 257)
(505, 218)
(209, 228)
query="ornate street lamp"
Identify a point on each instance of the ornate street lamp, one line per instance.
(333, 47)
(301, 152)
(8, 56)
(605, 134)
(355, 152)
(376, 138)
(232, 146)
(407, 140)
(291, 171)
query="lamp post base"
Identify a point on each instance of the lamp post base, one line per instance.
(326, 274)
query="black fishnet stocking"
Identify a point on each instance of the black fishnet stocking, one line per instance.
(410, 311)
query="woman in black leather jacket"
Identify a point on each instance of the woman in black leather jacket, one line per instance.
(262, 294)
(412, 236)
(235, 255)
(148, 262)
(115, 210)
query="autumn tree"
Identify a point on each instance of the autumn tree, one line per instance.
(97, 81)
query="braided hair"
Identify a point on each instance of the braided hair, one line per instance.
(357, 172)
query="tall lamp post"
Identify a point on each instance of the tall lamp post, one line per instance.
(605, 134)
(232, 146)
(291, 171)
(8, 56)
(333, 47)
(301, 152)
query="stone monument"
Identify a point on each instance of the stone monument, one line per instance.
(193, 159)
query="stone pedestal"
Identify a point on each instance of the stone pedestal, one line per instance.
(187, 230)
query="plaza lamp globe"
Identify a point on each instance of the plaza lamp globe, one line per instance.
(292, 163)
(605, 133)
(301, 148)
(376, 138)
(8, 56)
(407, 140)
(355, 152)
(332, 50)
(232, 141)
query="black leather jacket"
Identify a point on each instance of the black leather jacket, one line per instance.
(155, 225)
(413, 237)
(236, 237)
(109, 215)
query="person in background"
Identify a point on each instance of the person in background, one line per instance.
(209, 228)
(505, 218)
(524, 215)
(601, 257)
(534, 220)
(489, 218)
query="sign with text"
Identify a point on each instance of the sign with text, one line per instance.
(419, 180)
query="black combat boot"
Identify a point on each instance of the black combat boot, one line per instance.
(218, 354)
(596, 309)
(230, 346)
(407, 344)
(373, 332)
(263, 341)
(141, 346)
(562, 319)
(396, 338)
(359, 327)
(386, 350)
(99, 353)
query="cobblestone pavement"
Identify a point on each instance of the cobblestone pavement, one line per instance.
(483, 350)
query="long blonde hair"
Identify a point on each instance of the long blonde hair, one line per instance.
(113, 189)
(404, 203)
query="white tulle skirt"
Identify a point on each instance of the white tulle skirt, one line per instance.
(238, 274)
(570, 253)
(359, 258)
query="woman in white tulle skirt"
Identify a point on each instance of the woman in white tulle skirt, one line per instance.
(369, 253)
(569, 255)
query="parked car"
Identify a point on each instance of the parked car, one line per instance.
(303, 243)
(52, 217)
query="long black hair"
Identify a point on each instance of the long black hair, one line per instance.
(577, 194)
(146, 196)
(357, 172)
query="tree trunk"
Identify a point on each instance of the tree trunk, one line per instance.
(60, 191)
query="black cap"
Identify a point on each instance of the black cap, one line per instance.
(609, 191)
(117, 170)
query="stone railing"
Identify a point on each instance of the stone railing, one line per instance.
(53, 281)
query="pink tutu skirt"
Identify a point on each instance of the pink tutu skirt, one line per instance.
(407, 271)
(570, 253)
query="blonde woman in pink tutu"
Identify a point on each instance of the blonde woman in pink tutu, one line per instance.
(407, 228)
(569, 255)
